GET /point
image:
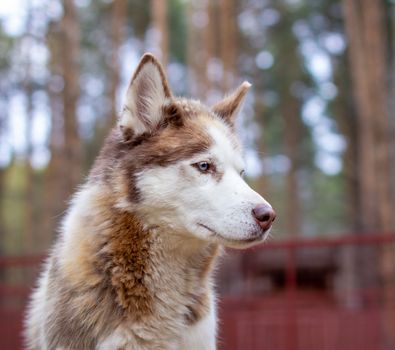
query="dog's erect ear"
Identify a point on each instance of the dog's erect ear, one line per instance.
(146, 94)
(229, 107)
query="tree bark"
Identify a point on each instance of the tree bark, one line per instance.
(377, 67)
(72, 152)
(54, 194)
(195, 54)
(292, 140)
(348, 124)
(160, 26)
(366, 34)
(228, 42)
(209, 51)
(118, 14)
(391, 105)
(360, 82)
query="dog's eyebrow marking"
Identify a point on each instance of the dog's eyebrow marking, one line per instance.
(225, 146)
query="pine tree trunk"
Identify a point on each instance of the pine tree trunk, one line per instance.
(292, 129)
(228, 42)
(119, 8)
(348, 124)
(54, 193)
(292, 140)
(160, 26)
(209, 51)
(365, 29)
(72, 152)
(391, 105)
(377, 67)
(360, 82)
(366, 35)
(195, 53)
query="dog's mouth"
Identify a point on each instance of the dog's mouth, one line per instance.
(243, 241)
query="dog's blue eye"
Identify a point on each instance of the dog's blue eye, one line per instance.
(202, 166)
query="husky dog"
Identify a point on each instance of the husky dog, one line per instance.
(132, 267)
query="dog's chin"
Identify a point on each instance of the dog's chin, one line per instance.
(254, 238)
(243, 243)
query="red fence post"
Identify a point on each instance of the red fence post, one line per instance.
(290, 284)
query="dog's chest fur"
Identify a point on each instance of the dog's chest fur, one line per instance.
(112, 280)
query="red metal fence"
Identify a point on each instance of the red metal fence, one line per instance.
(357, 313)
(17, 275)
(352, 305)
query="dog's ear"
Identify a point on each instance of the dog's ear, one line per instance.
(229, 107)
(145, 97)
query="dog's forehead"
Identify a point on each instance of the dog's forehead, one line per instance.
(191, 107)
(225, 144)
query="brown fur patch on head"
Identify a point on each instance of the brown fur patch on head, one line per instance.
(173, 145)
(181, 135)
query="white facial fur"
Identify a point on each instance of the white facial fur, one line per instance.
(188, 201)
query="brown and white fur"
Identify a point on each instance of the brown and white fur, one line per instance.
(132, 267)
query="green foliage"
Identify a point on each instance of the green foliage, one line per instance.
(14, 207)
(326, 204)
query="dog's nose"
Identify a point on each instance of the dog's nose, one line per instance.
(264, 214)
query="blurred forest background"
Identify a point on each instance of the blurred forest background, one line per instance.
(318, 125)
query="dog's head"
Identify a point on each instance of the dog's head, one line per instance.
(179, 163)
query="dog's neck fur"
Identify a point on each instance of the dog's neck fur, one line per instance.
(142, 265)
(143, 261)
